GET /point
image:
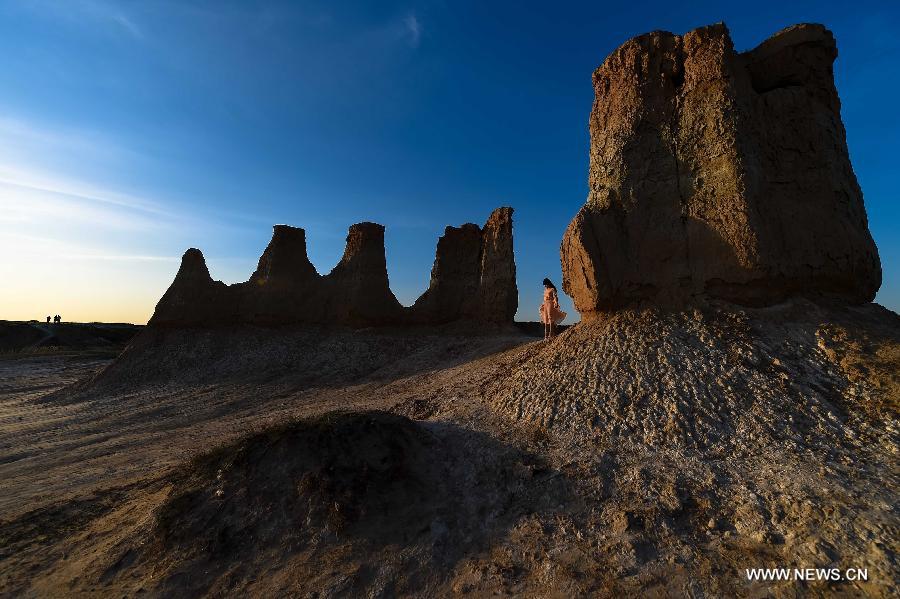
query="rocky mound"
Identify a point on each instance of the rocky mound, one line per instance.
(719, 174)
(28, 336)
(15, 336)
(721, 439)
(358, 473)
(717, 378)
(299, 356)
(312, 500)
(473, 278)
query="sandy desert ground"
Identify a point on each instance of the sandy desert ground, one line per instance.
(323, 463)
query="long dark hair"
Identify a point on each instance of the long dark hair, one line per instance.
(549, 283)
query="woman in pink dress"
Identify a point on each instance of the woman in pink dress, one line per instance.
(550, 312)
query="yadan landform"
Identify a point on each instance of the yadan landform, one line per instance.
(728, 401)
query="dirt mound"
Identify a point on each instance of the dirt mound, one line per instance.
(362, 474)
(297, 357)
(725, 439)
(335, 504)
(715, 377)
(15, 336)
(538, 329)
(28, 336)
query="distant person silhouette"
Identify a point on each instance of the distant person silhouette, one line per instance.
(48, 319)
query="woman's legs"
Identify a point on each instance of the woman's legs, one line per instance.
(551, 328)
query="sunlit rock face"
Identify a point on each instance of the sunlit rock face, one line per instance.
(473, 279)
(719, 174)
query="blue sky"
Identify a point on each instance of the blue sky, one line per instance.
(130, 131)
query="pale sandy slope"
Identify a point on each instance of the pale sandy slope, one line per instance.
(650, 454)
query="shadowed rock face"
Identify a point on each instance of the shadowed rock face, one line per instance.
(474, 274)
(473, 278)
(193, 296)
(454, 277)
(714, 173)
(357, 290)
(284, 261)
(275, 292)
(498, 295)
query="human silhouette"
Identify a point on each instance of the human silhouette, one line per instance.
(48, 319)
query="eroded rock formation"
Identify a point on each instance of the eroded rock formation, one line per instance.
(473, 278)
(474, 274)
(357, 291)
(717, 173)
(498, 295)
(194, 297)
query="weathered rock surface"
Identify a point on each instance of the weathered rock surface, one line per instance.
(454, 277)
(194, 297)
(357, 291)
(275, 291)
(473, 278)
(474, 274)
(284, 261)
(498, 295)
(721, 174)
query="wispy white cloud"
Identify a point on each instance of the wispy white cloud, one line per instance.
(128, 25)
(49, 216)
(123, 258)
(96, 241)
(57, 249)
(413, 30)
(86, 238)
(26, 191)
(53, 211)
(36, 157)
(22, 138)
(380, 41)
(100, 12)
